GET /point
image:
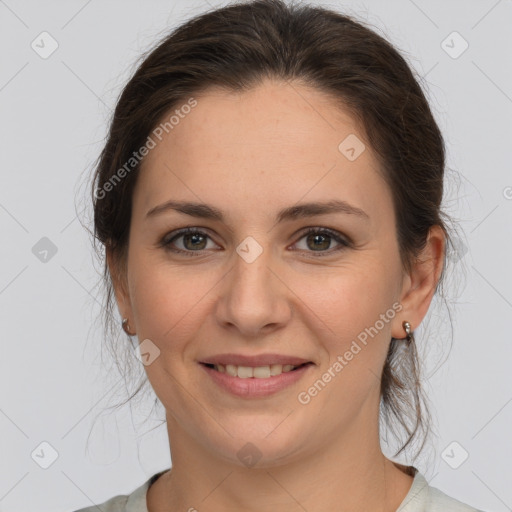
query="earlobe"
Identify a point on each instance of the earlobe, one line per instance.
(421, 283)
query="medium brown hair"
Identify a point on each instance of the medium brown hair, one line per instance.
(236, 47)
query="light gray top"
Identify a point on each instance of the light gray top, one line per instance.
(420, 498)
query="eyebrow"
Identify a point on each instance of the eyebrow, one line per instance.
(205, 211)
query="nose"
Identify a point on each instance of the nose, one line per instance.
(254, 299)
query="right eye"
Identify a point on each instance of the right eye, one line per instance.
(192, 240)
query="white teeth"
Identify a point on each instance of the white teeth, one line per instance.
(261, 372)
(276, 369)
(258, 372)
(231, 370)
(244, 372)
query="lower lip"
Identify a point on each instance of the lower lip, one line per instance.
(253, 387)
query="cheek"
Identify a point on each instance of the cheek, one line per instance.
(169, 305)
(348, 300)
(168, 299)
(353, 313)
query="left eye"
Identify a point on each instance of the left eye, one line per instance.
(320, 239)
(194, 241)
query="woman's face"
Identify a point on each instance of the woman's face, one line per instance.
(249, 280)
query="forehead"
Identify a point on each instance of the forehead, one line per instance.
(263, 148)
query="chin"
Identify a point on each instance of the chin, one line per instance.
(258, 442)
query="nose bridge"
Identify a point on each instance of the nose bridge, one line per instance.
(251, 266)
(251, 276)
(251, 298)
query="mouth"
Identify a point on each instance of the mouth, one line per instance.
(258, 381)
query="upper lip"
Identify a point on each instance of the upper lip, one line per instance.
(258, 360)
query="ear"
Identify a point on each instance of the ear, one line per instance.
(120, 285)
(420, 283)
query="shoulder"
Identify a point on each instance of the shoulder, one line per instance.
(115, 504)
(439, 501)
(133, 502)
(424, 498)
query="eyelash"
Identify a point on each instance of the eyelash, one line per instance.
(166, 242)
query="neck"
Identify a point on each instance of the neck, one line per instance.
(348, 474)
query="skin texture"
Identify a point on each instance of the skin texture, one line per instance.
(251, 154)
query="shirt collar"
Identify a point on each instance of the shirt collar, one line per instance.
(414, 501)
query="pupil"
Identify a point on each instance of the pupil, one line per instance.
(317, 238)
(195, 238)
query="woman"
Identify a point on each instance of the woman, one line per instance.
(269, 199)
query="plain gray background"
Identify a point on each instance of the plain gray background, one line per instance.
(53, 119)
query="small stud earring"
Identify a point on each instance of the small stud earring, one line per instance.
(126, 327)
